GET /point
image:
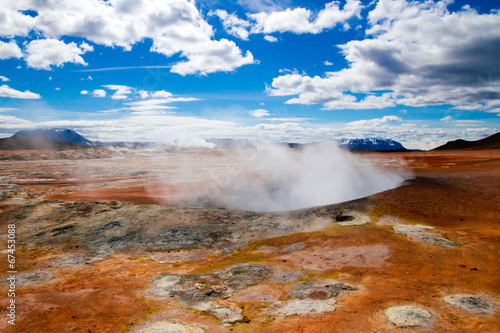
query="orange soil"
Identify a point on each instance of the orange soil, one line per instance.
(458, 193)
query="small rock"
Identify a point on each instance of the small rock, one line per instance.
(167, 327)
(408, 316)
(193, 289)
(408, 230)
(306, 307)
(227, 316)
(422, 233)
(471, 303)
(434, 239)
(318, 291)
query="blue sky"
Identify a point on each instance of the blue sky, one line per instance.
(179, 71)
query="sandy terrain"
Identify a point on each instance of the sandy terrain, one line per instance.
(100, 248)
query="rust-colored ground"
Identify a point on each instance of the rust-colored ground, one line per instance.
(457, 192)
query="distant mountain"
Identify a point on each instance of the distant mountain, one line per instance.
(60, 134)
(373, 144)
(30, 141)
(490, 142)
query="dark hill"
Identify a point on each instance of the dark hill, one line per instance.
(60, 134)
(490, 142)
(32, 142)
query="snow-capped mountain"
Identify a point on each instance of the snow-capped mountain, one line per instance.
(65, 135)
(370, 144)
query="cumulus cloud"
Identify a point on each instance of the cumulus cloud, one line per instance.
(154, 94)
(6, 91)
(418, 54)
(259, 113)
(3, 78)
(333, 15)
(232, 24)
(270, 38)
(13, 22)
(292, 20)
(84, 92)
(175, 27)
(298, 20)
(44, 53)
(99, 93)
(210, 57)
(10, 50)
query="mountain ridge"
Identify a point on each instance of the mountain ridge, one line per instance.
(490, 142)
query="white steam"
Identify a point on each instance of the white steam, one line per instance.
(272, 177)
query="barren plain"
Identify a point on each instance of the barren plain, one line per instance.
(122, 241)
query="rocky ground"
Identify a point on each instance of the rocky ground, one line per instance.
(95, 253)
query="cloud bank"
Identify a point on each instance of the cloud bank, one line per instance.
(418, 54)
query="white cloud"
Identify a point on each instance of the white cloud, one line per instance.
(121, 91)
(6, 91)
(462, 123)
(154, 94)
(211, 57)
(7, 109)
(43, 53)
(13, 22)
(259, 113)
(327, 63)
(149, 105)
(99, 93)
(151, 125)
(299, 21)
(376, 121)
(333, 15)
(9, 50)
(232, 24)
(270, 38)
(292, 20)
(11, 122)
(467, 123)
(418, 54)
(84, 92)
(154, 103)
(161, 94)
(4, 79)
(497, 110)
(174, 26)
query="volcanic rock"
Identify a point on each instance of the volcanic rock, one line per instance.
(409, 316)
(193, 289)
(318, 291)
(420, 232)
(167, 327)
(471, 303)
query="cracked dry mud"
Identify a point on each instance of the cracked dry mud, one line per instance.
(98, 255)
